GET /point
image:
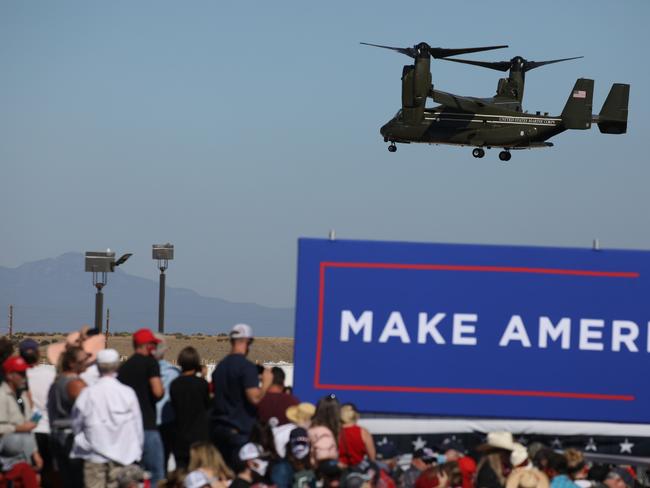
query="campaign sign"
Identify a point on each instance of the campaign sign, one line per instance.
(468, 330)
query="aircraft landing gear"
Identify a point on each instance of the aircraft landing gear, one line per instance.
(478, 152)
(505, 155)
(392, 147)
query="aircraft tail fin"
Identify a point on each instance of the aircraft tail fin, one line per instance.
(612, 118)
(577, 111)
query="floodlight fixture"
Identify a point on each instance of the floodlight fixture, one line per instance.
(100, 263)
(163, 253)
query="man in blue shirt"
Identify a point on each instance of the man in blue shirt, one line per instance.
(237, 392)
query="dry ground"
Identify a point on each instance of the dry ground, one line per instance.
(210, 348)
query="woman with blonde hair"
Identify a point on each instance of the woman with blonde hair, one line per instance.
(206, 458)
(355, 442)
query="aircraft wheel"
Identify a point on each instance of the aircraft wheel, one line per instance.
(478, 152)
(392, 148)
(505, 155)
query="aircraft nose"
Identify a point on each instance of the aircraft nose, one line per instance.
(385, 130)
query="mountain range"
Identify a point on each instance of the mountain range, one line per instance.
(56, 295)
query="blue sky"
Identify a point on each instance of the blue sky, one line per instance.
(233, 128)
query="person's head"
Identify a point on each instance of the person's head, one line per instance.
(387, 454)
(145, 342)
(578, 468)
(161, 348)
(619, 478)
(556, 465)
(452, 470)
(241, 339)
(328, 414)
(541, 457)
(108, 361)
(28, 350)
(301, 414)
(423, 458)
(349, 414)
(298, 449)
(203, 455)
(73, 360)
(262, 436)
(14, 369)
(252, 462)
(598, 472)
(451, 450)
(278, 376)
(189, 359)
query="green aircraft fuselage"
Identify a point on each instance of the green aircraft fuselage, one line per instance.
(444, 125)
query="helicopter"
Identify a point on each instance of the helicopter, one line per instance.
(499, 121)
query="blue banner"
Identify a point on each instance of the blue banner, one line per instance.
(468, 330)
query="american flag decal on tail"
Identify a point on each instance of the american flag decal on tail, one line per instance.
(579, 94)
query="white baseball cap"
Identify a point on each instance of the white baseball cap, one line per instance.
(241, 331)
(250, 451)
(108, 356)
(197, 479)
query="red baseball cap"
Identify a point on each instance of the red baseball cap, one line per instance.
(144, 336)
(14, 364)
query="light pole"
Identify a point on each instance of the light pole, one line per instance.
(163, 253)
(100, 264)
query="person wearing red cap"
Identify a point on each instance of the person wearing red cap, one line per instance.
(17, 442)
(142, 373)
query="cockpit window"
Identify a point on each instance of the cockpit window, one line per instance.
(398, 115)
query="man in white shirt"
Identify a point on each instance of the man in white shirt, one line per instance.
(39, 379)
(107, 425)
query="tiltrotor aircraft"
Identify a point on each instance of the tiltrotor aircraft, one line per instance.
(498, 121)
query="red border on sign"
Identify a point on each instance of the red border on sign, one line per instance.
(458, 391)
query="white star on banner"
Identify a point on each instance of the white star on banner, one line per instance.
(591, 445)
(626, 446)
(557, 443)
(384, 440)
(418, 443)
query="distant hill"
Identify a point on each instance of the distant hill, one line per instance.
(55, 294)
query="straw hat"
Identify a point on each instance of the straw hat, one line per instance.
(496, 441)
(92, 345)
(527, 478)
(301, 413)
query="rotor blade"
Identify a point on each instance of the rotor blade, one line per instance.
(409, 51)
(536, 64)
(497, 65)
(441, 52)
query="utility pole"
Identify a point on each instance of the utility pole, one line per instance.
(108, 321)
(11, 321)
(163, 253)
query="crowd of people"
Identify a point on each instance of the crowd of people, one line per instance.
(99, 422)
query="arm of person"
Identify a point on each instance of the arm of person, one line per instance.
(74, 388)
(24, 427)
(155, 383)
(255, 394)
(369, 443)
